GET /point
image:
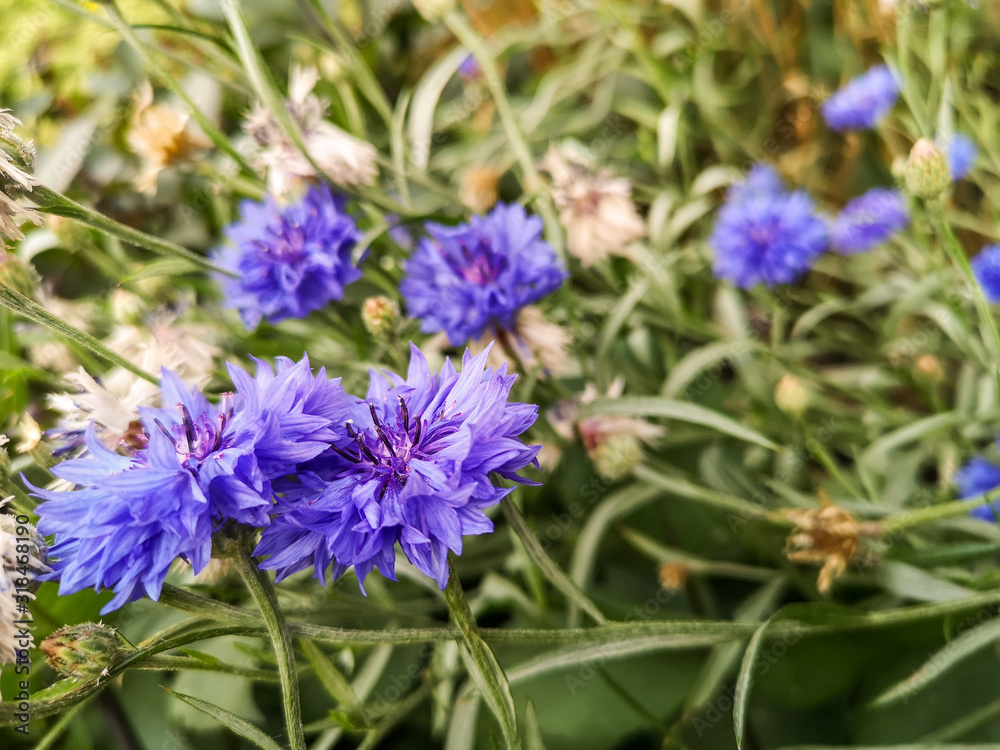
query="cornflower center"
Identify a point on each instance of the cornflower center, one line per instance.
(194, 439)
(479, 263)
(384, 453)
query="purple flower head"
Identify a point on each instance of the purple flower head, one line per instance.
(862, 102)
(132, 516)
(961, 152)
(288, 260)
(468, 279)
(413, 467)
(986, 269)
(974, 480)
(869, 220)
(764, 236)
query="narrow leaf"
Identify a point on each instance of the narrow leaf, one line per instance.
(652, 406)
(231, 721)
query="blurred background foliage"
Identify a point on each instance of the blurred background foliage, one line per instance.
(681, 97)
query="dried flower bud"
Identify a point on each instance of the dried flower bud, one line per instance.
(791, 396)
(674, 575)
(380, 316)
(928, 368)
(18, 275)
(85, 651)
(616, 456)
(927, 172)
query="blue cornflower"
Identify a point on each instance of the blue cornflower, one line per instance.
(974, 480)
(413, 468)
(986, 269)
(862, 102)
(288, 260)
(961, 152)
(476, 277)
(869, 220)
(200, 465)
(762, 179)
(765, 234)
(133, 516)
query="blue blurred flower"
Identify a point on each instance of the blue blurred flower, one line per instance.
(476, 277)
(961, 152)
(765, 234)
(288, 260)
(862, 102)
(762, 179)
(133, 516)
(974, 480)
(869, 220)
(986, 269)
(413, 468)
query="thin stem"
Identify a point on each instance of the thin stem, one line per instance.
(957, 254)
(51, 202)
(263, 592)
(460, 27)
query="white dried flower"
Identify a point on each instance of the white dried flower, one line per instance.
(12, 177)
(613, 443)
(18, 569)
(113, 404)
(535, 340)
(596, 209)
(345, 159)
(160, 136)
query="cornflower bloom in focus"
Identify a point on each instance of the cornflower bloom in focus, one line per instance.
(412, 468)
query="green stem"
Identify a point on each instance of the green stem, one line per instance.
(31, 310)
(263, 592)
(895, 524)
(469, 38)
(57, 204)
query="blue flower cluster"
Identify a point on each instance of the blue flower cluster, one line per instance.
(288, 261)
(344, 478)
(862, 102)
(766, 234)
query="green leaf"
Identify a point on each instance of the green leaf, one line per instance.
(483, 667)
(332, 680)
(941, 662)
(532, 732)
(231, 721)
(555, 575)
(652, 406)
(744, 682)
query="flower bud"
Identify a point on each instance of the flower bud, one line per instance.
(928, 368)
(616, 456)
(927, 172)
(791, 396)
(18, 275)
(85, 651)
(432, 10)
(380, 316)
